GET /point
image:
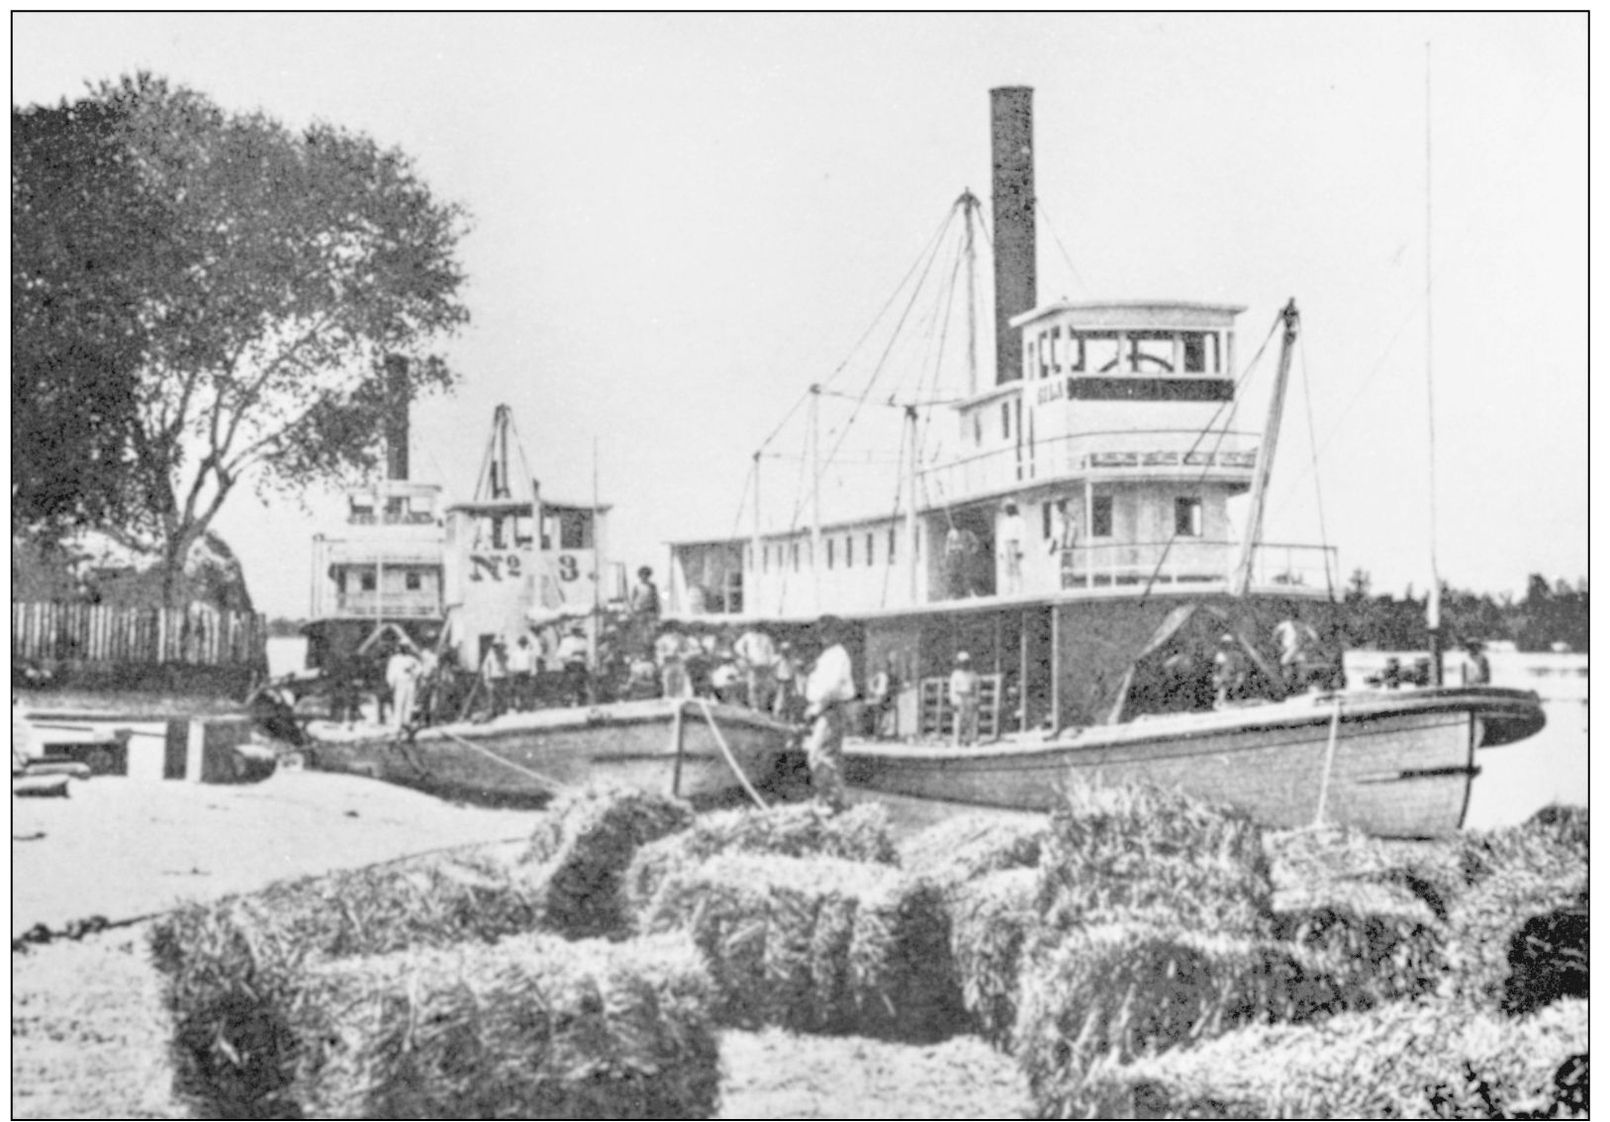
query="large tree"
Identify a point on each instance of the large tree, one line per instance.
(271, 275)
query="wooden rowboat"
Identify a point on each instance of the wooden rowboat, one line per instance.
(694, 749)
(1389, 762)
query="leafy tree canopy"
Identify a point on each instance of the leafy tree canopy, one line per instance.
(250, 301)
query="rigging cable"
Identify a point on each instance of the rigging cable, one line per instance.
(1039, 209)
(1246, 373)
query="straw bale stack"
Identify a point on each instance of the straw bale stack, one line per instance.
(581, 850)
(532, 1027)
(817, 944)
(969, 846)
(992, 920)
(1126, 990)
(1299, 859)
(1124, 850)
(1486, 920)
(799, 830)
(1404, 1060)
(1548, 960)
(1552, 844)
(229, 965)
(1381, 942)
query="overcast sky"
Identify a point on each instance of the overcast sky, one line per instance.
(682, 222)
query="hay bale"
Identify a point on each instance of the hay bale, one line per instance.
(581, 850)
(992, 919)
(1126, 990)
(817, 944)
(1381, 943)
(969, 846)
(1128, 850)
(229, 965)
(1404, 1060)
(1484, 923)
(1299, 859)
(1550, 845)
(1548, 960)
(801, 830)
(532, 1027)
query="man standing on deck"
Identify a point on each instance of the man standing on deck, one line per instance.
(495, 676)
(1013, 533)
(573, 653)
(758, 656)
(964, 690)
(1229, 672)
(831, 684)
(522, 675)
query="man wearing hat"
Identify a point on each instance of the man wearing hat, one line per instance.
(495, 675)
(1478, 671)
(573, 654)
(1229, 671)
(831, 684)
(964, 690)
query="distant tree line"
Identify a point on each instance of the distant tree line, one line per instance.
(1547, 615)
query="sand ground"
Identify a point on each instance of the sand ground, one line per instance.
(88, 1029)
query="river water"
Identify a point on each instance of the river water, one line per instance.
(1515, 781)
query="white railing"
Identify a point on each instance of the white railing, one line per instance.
(1125, 450)
(1307, 568)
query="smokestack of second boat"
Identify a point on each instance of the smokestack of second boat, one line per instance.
(396, 370)
(1012, 146)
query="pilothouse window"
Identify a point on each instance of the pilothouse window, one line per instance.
(1151, 352)
(1201, 352)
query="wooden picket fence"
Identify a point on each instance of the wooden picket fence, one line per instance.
(98, 633)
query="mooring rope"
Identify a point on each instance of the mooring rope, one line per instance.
(1330, 760)
(721, 742)
(553, 784)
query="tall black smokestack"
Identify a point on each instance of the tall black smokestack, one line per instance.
(397, 396)
(1012, 146)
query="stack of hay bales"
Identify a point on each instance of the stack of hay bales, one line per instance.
(231, 967)
(1516, 874)
(816, 944)
(987, 869)
(580, 852)
(1548, 959)
(1381, 943)
(1405, 1060)
(1124, 990)
(1135, 851)
(532, 1027)
(799, 830)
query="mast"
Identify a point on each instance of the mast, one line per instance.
(969, 204)
(752, 599)
(1266, 452)
(911, 499)
(598, 572)
(816, 492)
(1434, 602)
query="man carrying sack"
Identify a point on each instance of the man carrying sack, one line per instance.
(831, 684)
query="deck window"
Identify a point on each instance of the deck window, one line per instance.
(869, 540)
(849, 551)
(411, 582)
(1096, 352)
(978, 429)
(1101, 516)
(1046, 511)
(1201, 352)
(1151, 352)
(366, 581)
(891, 545)
(829, 553)
(575, 529)
(1188, 518)
(794, 549)
(1006, 421)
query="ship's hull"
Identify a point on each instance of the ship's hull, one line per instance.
(689, 749)
(1393, 764)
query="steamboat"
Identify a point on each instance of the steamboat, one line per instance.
(1075, 540)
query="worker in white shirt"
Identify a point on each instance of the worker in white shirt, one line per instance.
(964, 696)
(523, 675)
(831, 684)
(1014, 534)
(573, 654)
(758, 656)
(402, 675)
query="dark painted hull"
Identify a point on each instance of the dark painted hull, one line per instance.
(1401, 764)
(666, 747)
